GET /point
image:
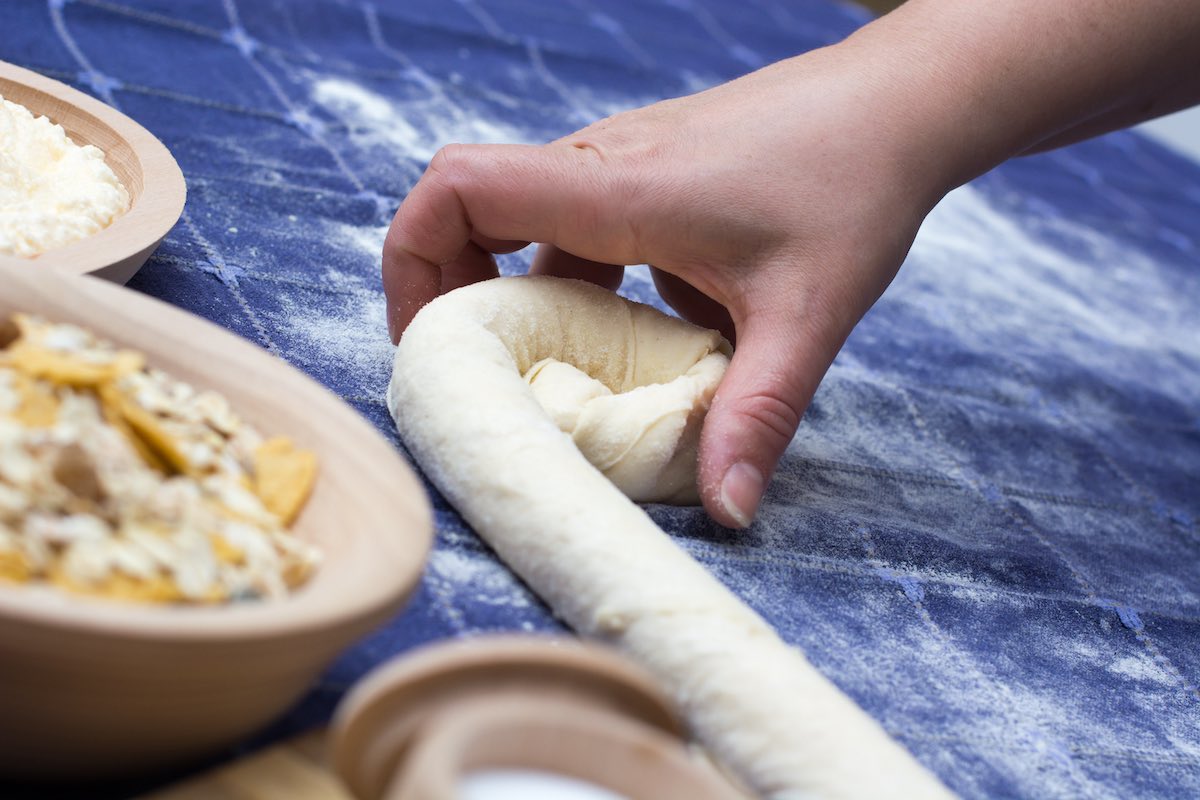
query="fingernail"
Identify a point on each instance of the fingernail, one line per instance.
(741, 492)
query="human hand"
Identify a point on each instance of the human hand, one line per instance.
(773, 208)
(779, 206)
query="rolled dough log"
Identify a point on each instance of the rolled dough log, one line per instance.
(464, 408)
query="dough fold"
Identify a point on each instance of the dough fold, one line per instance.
(644, 439)
(462, 402)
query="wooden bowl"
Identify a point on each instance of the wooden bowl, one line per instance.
(141, 162)
(93, 687)
(414, 727)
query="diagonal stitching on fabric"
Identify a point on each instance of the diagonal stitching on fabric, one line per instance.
(1157, 507)
(73, 47)
(294, 112)
(1038, 741)
(855, 374)
(1126, 753)
(1006, 506)
(715, 554)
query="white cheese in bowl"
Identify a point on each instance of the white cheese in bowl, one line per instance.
(52, 191)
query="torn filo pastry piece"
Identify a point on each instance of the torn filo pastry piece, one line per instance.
(465, 396)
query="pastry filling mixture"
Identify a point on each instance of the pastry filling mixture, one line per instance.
(52, 191)
(119, 480)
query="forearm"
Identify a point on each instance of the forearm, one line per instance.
(1155, 104)
(974, 82)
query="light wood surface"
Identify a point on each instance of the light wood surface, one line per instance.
(294, 770)
(142, 163)
(93, 687)
(415, 725)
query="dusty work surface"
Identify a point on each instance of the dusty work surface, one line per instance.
(986, 531)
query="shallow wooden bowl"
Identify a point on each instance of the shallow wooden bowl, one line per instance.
(141, 162)
(416, 726)
(93, 687)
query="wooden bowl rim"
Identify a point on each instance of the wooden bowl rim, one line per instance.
(316, 606)
(150, 216)
(387, 709)
(475, 663)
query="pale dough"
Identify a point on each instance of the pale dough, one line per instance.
(645, 438)
(464, 408)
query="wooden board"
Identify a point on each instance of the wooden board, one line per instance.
(293, 770)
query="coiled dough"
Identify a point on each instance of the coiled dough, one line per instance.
(462, 403)
(645, 437)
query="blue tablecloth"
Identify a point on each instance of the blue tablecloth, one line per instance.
(986, 530)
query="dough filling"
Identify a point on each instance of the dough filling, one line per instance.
(644, 439)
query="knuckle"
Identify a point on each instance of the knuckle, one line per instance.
(458, 167)
(393, 244)
(446, 162)
(771, 412)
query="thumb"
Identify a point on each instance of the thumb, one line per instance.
(754, 415)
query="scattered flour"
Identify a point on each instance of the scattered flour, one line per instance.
(364, 242)
(414, 129)
(1140, 667)
(345, 332)
(1016, 280)
(479, 576)
(1049, 287)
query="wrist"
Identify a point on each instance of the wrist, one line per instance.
(930, 101)
(971, 84)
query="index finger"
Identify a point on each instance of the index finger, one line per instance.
(473, 197)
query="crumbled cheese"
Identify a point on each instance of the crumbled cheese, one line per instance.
(52, 191)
